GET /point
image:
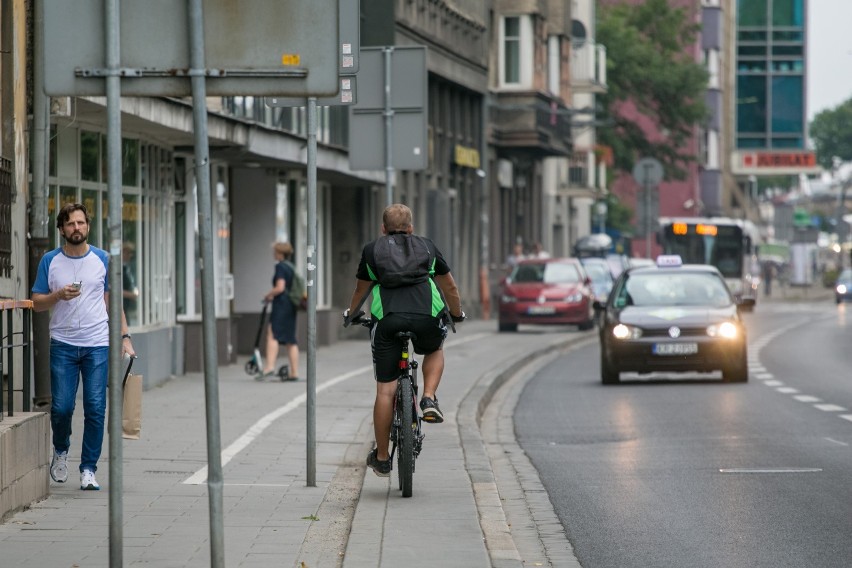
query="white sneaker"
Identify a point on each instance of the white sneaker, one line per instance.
(59, 467)
(88, 481)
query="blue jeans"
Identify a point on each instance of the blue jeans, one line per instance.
(67, 364)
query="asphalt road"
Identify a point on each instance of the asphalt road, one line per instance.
(695, 472)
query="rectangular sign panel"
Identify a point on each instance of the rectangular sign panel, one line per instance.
(774, 162)
(408, 94)
(253, 47)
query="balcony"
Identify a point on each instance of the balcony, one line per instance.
(531, 121)
(588, 67)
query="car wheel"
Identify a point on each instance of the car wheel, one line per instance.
(737, 371)
(609, 373)
(507, 326)
(589, 323)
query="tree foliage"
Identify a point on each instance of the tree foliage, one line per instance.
(650, 64)
(831, 133)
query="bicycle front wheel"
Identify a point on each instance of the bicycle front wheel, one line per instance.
(405, 410)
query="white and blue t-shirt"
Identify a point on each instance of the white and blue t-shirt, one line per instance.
(83, 321)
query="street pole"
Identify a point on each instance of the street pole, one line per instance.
(311, 403)
(647, 186)
(388, 114)
(215, 482)
(112, 38)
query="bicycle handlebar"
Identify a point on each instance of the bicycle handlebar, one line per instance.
(357, 318)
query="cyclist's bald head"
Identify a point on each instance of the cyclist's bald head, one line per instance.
(397, 218)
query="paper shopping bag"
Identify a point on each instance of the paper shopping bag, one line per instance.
(131, 420)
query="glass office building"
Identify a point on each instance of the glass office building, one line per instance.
(770, 98)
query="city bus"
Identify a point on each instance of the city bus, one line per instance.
(728, 244)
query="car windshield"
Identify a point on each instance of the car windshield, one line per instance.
(664, 288)
(548, 273)
(597, 271)
(846, 275)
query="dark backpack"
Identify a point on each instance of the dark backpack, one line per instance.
(297, 292)
(402, 260)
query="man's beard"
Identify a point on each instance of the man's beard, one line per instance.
(76, 238)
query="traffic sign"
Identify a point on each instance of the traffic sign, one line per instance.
(262, 48)
(648, 172)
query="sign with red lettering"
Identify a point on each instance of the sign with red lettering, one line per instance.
(770, 163)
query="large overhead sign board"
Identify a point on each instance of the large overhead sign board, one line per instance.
(252, 47)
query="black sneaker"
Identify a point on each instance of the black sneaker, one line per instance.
(431, 411)
(382, 468)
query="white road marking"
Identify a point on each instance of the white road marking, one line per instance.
(756, 372)
(830, 408)
(837, 441)
(807, 398)
(772, 470)
(258, 427)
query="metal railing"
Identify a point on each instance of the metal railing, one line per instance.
(10, 340)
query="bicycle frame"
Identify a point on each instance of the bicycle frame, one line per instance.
(406, 433)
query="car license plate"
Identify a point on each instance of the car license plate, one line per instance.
(675, 348)
(541, 310)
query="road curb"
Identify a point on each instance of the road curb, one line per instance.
(492, 518)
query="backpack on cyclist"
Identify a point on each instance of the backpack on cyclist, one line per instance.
(298, 291)
(401, 259)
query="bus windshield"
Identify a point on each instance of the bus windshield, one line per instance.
(722, 246)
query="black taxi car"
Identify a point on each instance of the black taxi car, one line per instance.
(672, 317)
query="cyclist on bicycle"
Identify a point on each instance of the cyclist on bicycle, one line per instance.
(415, 292)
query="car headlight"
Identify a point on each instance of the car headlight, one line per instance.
(841, 288)
(622, 331)
(725, 329)
(507, 299)
(574, 298)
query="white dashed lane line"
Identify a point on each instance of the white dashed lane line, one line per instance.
(758, 371)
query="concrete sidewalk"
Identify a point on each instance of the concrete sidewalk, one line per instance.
(271, 517)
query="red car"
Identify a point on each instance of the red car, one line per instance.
(547, 291)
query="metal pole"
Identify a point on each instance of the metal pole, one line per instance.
(388, 114)
(647, 187)
(112, 35)
(208, 308)
(313, 261)
(39, 222)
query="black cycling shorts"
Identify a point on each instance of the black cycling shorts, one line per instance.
(431, 332)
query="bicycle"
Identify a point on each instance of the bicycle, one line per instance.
(406, 433)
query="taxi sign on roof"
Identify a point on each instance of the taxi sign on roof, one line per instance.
(669, 260)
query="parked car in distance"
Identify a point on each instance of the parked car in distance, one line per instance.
(672, 317)
(635, 261)
(843, 286)
(546, 291)
(602, 280)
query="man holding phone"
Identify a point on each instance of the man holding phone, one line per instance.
(73, 281)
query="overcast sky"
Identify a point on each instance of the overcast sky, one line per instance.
(829, 54)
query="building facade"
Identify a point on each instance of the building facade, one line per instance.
(501, 166)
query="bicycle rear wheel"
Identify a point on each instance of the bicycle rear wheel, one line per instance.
(405, 410)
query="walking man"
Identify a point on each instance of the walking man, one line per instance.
(72, 280)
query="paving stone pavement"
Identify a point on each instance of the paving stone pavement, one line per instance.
(472, 505)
